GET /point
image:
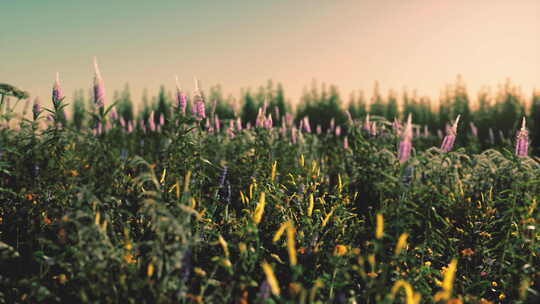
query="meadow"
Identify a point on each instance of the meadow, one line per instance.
(191, 201)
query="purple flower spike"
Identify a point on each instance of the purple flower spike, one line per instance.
(199, 102)
(99, 88)
(405, 146)
(181, 98)
(57, 92)
(36, 109)
(522, 143)
(450, 138)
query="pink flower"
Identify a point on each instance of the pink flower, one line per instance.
(405, 146)
(450, 138)
(57, 92)
(181, 98)
(99, 88)
(522, 142)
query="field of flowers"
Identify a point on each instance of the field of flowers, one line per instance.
(189, 208)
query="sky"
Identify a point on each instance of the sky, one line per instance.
(412, 44)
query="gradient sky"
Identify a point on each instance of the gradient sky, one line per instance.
(420, 45)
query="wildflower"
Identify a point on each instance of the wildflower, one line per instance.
(467, 252)
(380, 226)
(57, 92)
(99, 88)
(522, 143)
(402, 242)
(306, 125)
(36, 109)
(484, 301)
(311, 205)
(338, 130)
(428, 264)
(200, 110)
(449, 139)
(259, 210)
(150, 270)
(502, 296)
(494, 284)
(340, 250)
(291, 232)
(405, 145)
(346, 143)
(411, 296)
(271, 278)
(318, 129)
(448, 282)
(181, 98)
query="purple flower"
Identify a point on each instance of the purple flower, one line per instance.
(405, 146)
(99, 88)
(181, 98)
(36, 109)
(367, 124)
(57, 92)
(450, 138)
(522, 142)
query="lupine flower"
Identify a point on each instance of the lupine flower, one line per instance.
(306, 125)
(57, 92)
(349, 116)
(36, 109)
(181, 98)
(318, 129)
(239, 124)
(522, 142)
(373, 129)
(268, 123)
(417, 132)
(474, 129)
(130, 127)
(114, 114)
(450, 138)
(99, 88)
(276, 112)
(346, 143)
(161, 119)
(332, 125)
(396, 125)
(367, 124)
(338, 130)
(122, 122)
(199, 102)
(289, 119)
(405, 146)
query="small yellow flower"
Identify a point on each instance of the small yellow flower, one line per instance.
(428, 264)
(199, 271)
(340, 250)
(402, 242)
(150, 270)
(494, 284)
(467, 252)
(502, 296)
(259, 210)
(380, 226)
